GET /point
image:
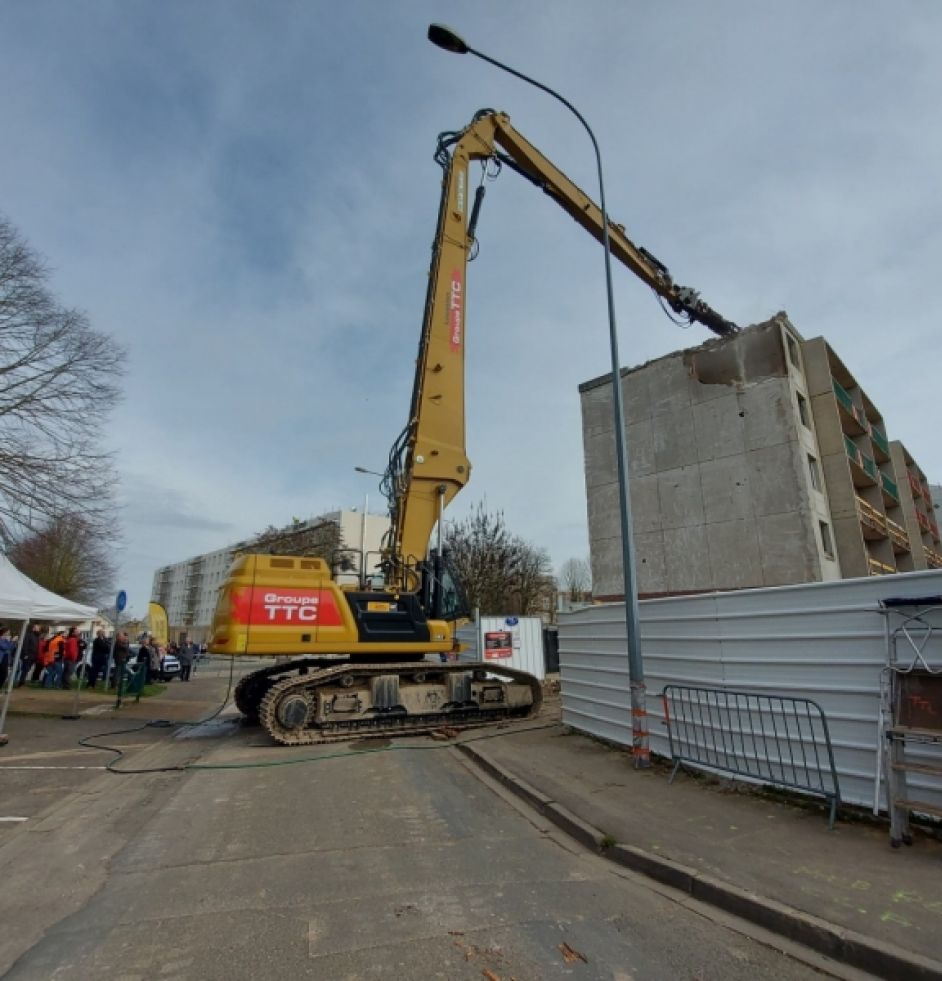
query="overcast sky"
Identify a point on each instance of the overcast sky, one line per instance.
(243, 195)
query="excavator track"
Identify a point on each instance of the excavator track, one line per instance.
(394, 699)
(250, 689)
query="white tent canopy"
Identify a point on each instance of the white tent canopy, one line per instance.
(22, 599)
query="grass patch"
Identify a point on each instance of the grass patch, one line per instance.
(607, 841)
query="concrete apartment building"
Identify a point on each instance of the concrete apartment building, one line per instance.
(754, 460)
(187, 590)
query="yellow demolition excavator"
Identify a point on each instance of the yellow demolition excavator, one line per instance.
(359, 659)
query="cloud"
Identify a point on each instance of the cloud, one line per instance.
(245, 197)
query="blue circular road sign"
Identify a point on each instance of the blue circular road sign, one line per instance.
(121, 601)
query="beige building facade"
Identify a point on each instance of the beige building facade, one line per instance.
(754, 460)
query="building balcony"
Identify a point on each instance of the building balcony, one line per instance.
(915, 484)
(934, 528)
(924, 522)
(852, 416)
(898, 535)
(890, 490)
(881, 443)
(933, 558)
(863, 469)
(878, 568)
(872, 521)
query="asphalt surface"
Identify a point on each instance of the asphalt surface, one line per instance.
(356, 863)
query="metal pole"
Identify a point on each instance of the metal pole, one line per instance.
(639, 723)
(366, 504)
(114, 637)
(11, 681)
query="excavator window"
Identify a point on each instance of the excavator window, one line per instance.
(454, 604)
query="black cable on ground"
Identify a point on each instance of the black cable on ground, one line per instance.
(154, 724)
(181, 767)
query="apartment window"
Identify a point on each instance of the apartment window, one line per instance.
(803, 411)
(792, 346)
(826, 542)
(815, 472)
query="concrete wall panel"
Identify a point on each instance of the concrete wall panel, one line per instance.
(719, 427)
(680, 497)
(675, 441)
(735, 555)
(726, 491)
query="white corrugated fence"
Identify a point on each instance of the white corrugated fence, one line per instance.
(821, 641)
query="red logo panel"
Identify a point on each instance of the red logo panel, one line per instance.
(262, 607)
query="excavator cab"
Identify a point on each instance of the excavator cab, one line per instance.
(442, 593)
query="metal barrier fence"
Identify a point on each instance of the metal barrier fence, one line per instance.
(771, 738)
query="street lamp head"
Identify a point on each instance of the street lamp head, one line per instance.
(446, 38)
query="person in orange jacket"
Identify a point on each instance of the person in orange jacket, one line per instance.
(55, 654)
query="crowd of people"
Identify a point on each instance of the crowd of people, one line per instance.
(51, 657)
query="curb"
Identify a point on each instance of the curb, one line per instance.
(840, 944)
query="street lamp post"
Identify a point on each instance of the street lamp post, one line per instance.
(447, 39)
(366, 505)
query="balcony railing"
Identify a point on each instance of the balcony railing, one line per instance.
(871, 518)
(934, 528)
(880, 440)
(864, 462)
(878, 568)
(898, 534)
(923, 521)
(933, 558)
(849, 406)
(915, 484)
(889, 486)
(843, 396)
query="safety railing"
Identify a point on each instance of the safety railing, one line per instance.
(871, 517)
(880, 441)
(898, 534)
(878, 568)
(889, 486)
(774, 739)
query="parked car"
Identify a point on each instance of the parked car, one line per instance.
(169, 667)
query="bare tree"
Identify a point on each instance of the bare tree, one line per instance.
(57, 385)
(319, 538)
(500, 572)
(68, 555)
(575, 578)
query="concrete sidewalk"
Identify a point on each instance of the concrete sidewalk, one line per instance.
(845, 892)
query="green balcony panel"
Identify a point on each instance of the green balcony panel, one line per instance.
(880, 440)
(852, 450)
(842, 396)
(889, 486)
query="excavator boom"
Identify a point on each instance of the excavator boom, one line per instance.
(429, 463)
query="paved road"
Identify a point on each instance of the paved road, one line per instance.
(394, 864)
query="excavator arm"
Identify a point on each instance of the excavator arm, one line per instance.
(428, 464)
